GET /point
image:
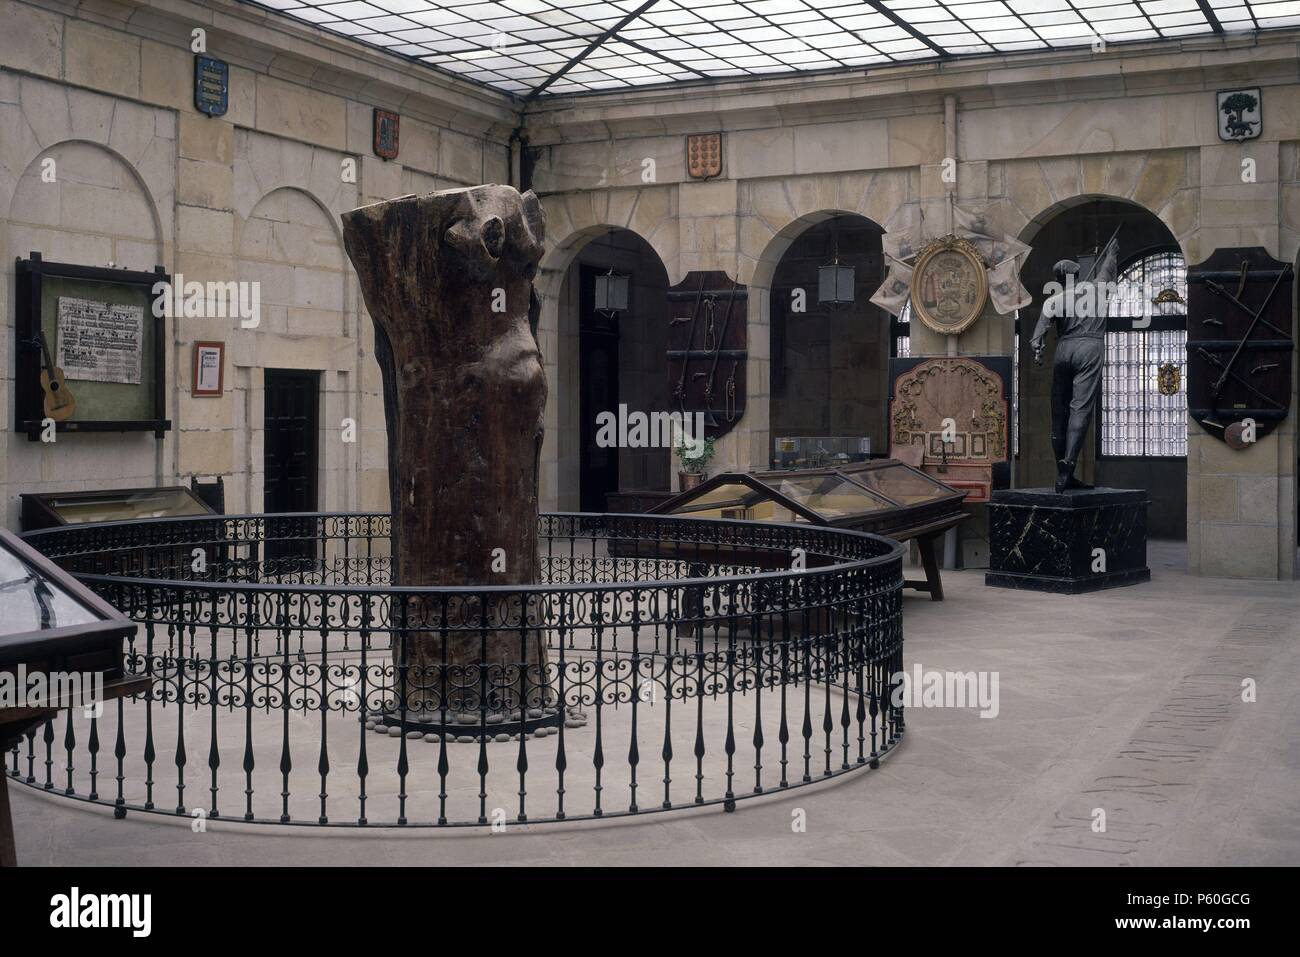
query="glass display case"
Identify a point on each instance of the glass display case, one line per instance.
(51, 509)
(819, 451)
(879, 495)
(52, 627)
(884, 496)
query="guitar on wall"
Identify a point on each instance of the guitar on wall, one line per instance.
(59, 403)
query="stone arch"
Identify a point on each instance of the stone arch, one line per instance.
(1155, 180)
(1034, 227)
(754, 452)
(573, 219)
(1061, 230)
(97, 211)
(557, 336)
(290, 244)
(305, 291)
(267, 163)
(776, 211)
(95, 186)
(558, 258)
(784, 238)
(142, 139)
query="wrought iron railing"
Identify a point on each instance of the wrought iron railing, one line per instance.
(661, 663)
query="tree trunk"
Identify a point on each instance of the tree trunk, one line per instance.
(447, 279)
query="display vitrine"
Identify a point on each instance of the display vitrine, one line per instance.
(51, 509)
(883, 496)
(61, 646)
(818, 451)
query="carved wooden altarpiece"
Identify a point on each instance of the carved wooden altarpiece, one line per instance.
(972, 393)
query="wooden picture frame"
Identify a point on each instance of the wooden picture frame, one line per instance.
(100, 406)
(205, 357)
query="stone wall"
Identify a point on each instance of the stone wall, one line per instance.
(105, 89)
(1033, 135)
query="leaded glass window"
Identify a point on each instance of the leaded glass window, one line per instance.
(1146, 333)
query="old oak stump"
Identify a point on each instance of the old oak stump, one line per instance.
(448, 281)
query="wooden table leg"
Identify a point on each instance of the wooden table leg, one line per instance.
(926, 545)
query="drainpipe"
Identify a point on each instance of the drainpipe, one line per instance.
(950, 152)
(515, 159)
(950, 130)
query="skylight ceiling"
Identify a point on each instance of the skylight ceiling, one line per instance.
(550, 47)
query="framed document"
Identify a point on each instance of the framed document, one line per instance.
(90, 349)
(207, 376)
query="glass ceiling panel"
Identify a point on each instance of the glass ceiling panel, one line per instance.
(541, 47)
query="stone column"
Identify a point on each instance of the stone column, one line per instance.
(1241, 507)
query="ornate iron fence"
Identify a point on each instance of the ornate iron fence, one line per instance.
(661, 663)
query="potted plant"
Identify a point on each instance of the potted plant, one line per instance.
(694, 456)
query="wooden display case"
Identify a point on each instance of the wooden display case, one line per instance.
(884, 496)
(52, 509)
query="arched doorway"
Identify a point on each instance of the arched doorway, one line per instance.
(610, 359)
(830, 360)
(1139, 430)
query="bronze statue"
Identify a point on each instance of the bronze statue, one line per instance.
(1079, 309)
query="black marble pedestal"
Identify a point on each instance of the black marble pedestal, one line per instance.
(1045, 541)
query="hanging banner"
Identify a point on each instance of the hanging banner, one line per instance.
(998, 259)
(893, 292)
(1006, 291)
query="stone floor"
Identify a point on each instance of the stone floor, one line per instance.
(1128, 701)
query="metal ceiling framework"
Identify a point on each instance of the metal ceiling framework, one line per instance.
(533, 48)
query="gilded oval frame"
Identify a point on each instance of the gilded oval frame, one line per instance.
(923, 262)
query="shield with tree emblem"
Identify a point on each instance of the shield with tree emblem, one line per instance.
(1240, 114)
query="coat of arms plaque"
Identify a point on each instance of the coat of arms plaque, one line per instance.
(949, 285)
(704, 155)
(1169, 378)
(387, 126)
(211, 85)
(1240, 114)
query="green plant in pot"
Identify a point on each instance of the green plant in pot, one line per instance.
(694, 456)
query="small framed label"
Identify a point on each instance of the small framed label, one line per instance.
(387, 126)
(211, 85)
(208, 378)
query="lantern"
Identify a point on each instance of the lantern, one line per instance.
(611, 292)
(835, 284)
(835, 280)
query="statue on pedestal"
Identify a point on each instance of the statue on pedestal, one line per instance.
(1078, 308)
